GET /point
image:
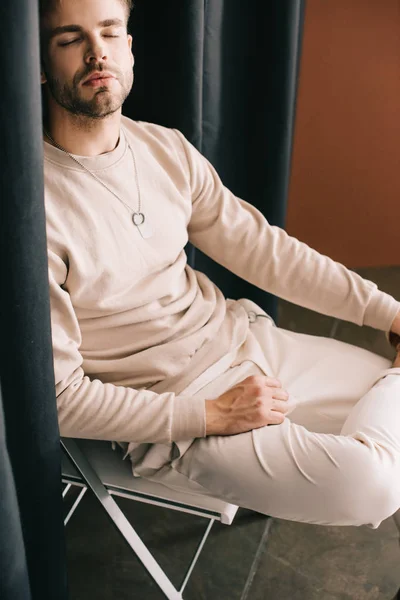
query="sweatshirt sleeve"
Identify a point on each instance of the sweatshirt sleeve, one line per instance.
(94, 410)
(237, 235)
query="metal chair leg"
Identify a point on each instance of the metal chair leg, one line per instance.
(196, 556)
(120, 521)
(75, 505)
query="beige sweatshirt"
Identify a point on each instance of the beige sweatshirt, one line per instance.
(132, 323)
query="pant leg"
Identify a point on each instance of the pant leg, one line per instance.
(334, 461)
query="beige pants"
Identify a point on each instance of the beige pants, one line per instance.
(336, 458)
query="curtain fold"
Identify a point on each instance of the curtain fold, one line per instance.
(31, 510)
(201, 67)
(14, 580)
(224, 72)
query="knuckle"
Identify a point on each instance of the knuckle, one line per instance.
(257, 389)
(259, 404)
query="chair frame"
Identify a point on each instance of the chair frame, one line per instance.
(104, 493)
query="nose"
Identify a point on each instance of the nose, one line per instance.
(96, 52)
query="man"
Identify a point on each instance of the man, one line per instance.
(150, 354)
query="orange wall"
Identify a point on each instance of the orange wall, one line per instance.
(345, 185)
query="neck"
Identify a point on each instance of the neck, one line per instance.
(83, 136)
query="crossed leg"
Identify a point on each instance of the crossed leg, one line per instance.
(336, 458)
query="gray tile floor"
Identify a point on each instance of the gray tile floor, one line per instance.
(256, 558)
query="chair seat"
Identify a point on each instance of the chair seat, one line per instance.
(116, 475)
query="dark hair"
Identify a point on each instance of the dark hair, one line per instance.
(46, 6)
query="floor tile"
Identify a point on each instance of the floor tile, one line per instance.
(102, 566)
(305, 562)
(388, 280)
(299, 319)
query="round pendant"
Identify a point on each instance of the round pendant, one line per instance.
(138, 218)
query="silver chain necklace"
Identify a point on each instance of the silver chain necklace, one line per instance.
(138, 218)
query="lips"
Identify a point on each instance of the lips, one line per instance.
(98, 77)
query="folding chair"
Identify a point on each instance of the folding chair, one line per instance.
(95, 465)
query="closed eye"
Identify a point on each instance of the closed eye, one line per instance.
(69, 42)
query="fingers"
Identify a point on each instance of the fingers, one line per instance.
(272, 382)
(280, 394)
(276, 418)
(280, 406)
(262, 381)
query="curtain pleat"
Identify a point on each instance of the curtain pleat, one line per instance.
(26, 366)
(14, 580)
(224, 72)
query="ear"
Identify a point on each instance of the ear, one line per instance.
(43, 78)
(130, 48)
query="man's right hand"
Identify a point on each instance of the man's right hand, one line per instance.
(254, 402)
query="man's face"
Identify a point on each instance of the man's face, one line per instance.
(88, 38)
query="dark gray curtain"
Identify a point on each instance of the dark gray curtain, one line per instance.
(14, 581)
(32, 555)
(225, 73)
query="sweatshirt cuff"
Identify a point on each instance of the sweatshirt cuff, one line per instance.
(381, 311)
(188, 418)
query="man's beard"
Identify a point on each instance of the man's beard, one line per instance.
(103, 102)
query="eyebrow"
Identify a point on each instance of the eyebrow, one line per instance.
(78, 29)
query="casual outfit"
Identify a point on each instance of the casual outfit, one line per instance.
(141, 340)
